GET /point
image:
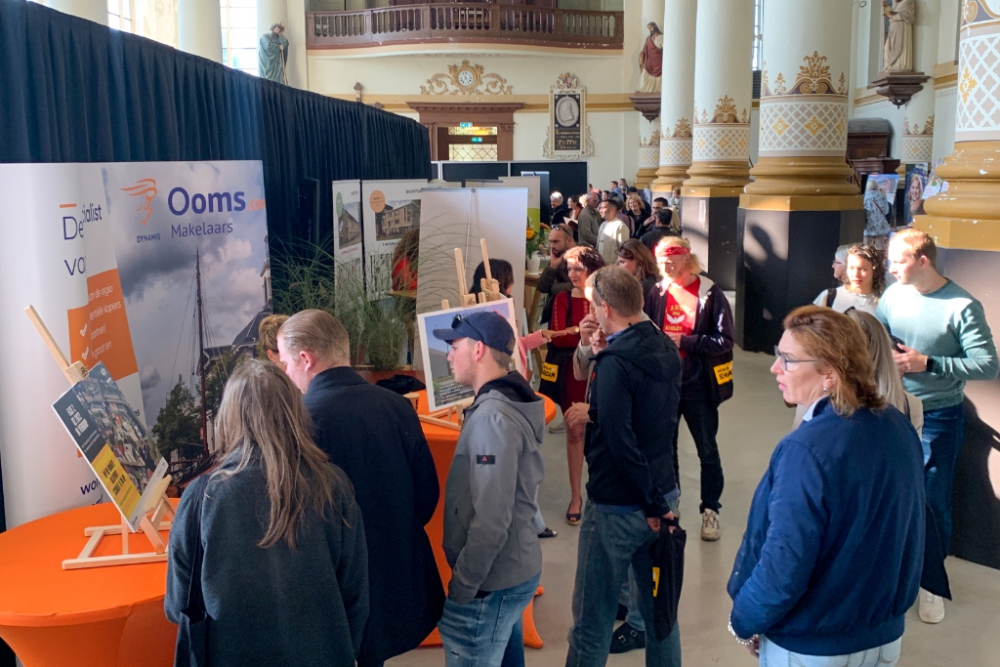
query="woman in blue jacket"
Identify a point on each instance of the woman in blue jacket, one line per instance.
(831, 557)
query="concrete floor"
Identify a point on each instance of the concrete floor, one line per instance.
(751, 424)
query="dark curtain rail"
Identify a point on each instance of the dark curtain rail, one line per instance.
(457, 22)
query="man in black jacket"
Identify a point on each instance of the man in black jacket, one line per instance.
(555, 278)
(374, 435)
(634, 395)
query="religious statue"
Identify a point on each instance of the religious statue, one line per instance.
(273, 54)
(897, 52)
(651, 61)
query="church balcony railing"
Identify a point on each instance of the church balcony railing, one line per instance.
(465, 22)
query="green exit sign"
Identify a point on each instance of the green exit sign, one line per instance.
(465, 124)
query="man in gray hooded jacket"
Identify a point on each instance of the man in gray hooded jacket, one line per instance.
(489, 538)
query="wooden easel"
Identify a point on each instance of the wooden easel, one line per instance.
(153, 521)
(490, 291)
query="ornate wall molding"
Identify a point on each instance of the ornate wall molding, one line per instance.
(682, 129)
(916, 130)
(466, 79)
(725, 113)
(813, 78)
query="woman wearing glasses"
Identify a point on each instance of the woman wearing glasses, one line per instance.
(567, 311)
(864, 282)
(636, 258)
(831, 558)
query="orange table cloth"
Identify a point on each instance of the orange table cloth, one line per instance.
(113, 616)
(99, 617)
(442, 442)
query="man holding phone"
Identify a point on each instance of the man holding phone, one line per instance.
(942, 340)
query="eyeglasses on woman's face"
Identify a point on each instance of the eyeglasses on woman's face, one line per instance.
(788, 362)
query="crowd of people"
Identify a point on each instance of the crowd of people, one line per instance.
(316, 511)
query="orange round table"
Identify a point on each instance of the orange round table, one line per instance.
(442, 442)
(99, 617)
(113, 616)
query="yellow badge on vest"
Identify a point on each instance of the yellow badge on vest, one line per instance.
(724, 373)
(550, 372)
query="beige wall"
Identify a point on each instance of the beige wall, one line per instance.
(394, 77)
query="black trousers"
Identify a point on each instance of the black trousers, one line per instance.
(702, 418)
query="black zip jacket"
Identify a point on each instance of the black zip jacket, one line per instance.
(634, 396)
(713, 337)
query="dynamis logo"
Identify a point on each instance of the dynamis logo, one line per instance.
(146, 188)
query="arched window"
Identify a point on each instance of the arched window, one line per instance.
(121, 15)
(240, 34)
(757, 55)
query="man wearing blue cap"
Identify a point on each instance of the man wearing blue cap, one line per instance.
(489, 538)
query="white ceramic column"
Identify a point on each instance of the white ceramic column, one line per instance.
(918, 123)
(92, 10)
(677, 98)
(199, 28)
(803, 100)
(968, 211)
(723, 88)
(649, 130)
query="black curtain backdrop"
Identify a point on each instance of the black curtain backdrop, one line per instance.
(75, 91)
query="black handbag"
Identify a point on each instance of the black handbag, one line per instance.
(558, 361)
(192, 631)
(667, 553)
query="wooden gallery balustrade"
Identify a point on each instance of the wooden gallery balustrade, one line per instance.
(460, 22)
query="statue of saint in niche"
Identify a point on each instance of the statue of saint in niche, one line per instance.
(272, 54)
(897, 52)
(651, 61)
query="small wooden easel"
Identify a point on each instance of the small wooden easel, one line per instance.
(490, 292)
(153, 521)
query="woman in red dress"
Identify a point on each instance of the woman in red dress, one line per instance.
(567, 311)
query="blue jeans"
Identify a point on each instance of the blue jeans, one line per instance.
(944, 433)
(772, 655)
(513, 655)
(608, 544)
(477, 634)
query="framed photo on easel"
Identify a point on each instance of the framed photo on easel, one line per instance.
(442, 390)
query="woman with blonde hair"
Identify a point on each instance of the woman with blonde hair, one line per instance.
(636, 211)
(267, 338)
(890, 385)
(272, 541)
(831, 557)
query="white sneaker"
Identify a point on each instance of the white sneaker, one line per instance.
(710, 530)
(558, 428)
(931, 607)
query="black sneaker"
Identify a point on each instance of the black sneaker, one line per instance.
(548, 532)
(626, 638)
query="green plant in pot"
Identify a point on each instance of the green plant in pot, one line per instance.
(312, 278)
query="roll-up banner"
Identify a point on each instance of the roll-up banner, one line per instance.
(159, 270)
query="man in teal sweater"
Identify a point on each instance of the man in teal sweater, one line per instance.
(946, 342)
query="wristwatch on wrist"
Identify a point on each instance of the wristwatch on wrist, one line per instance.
(743, 642)
(930, 365)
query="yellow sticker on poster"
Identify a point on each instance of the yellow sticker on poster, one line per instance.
(118, 484)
